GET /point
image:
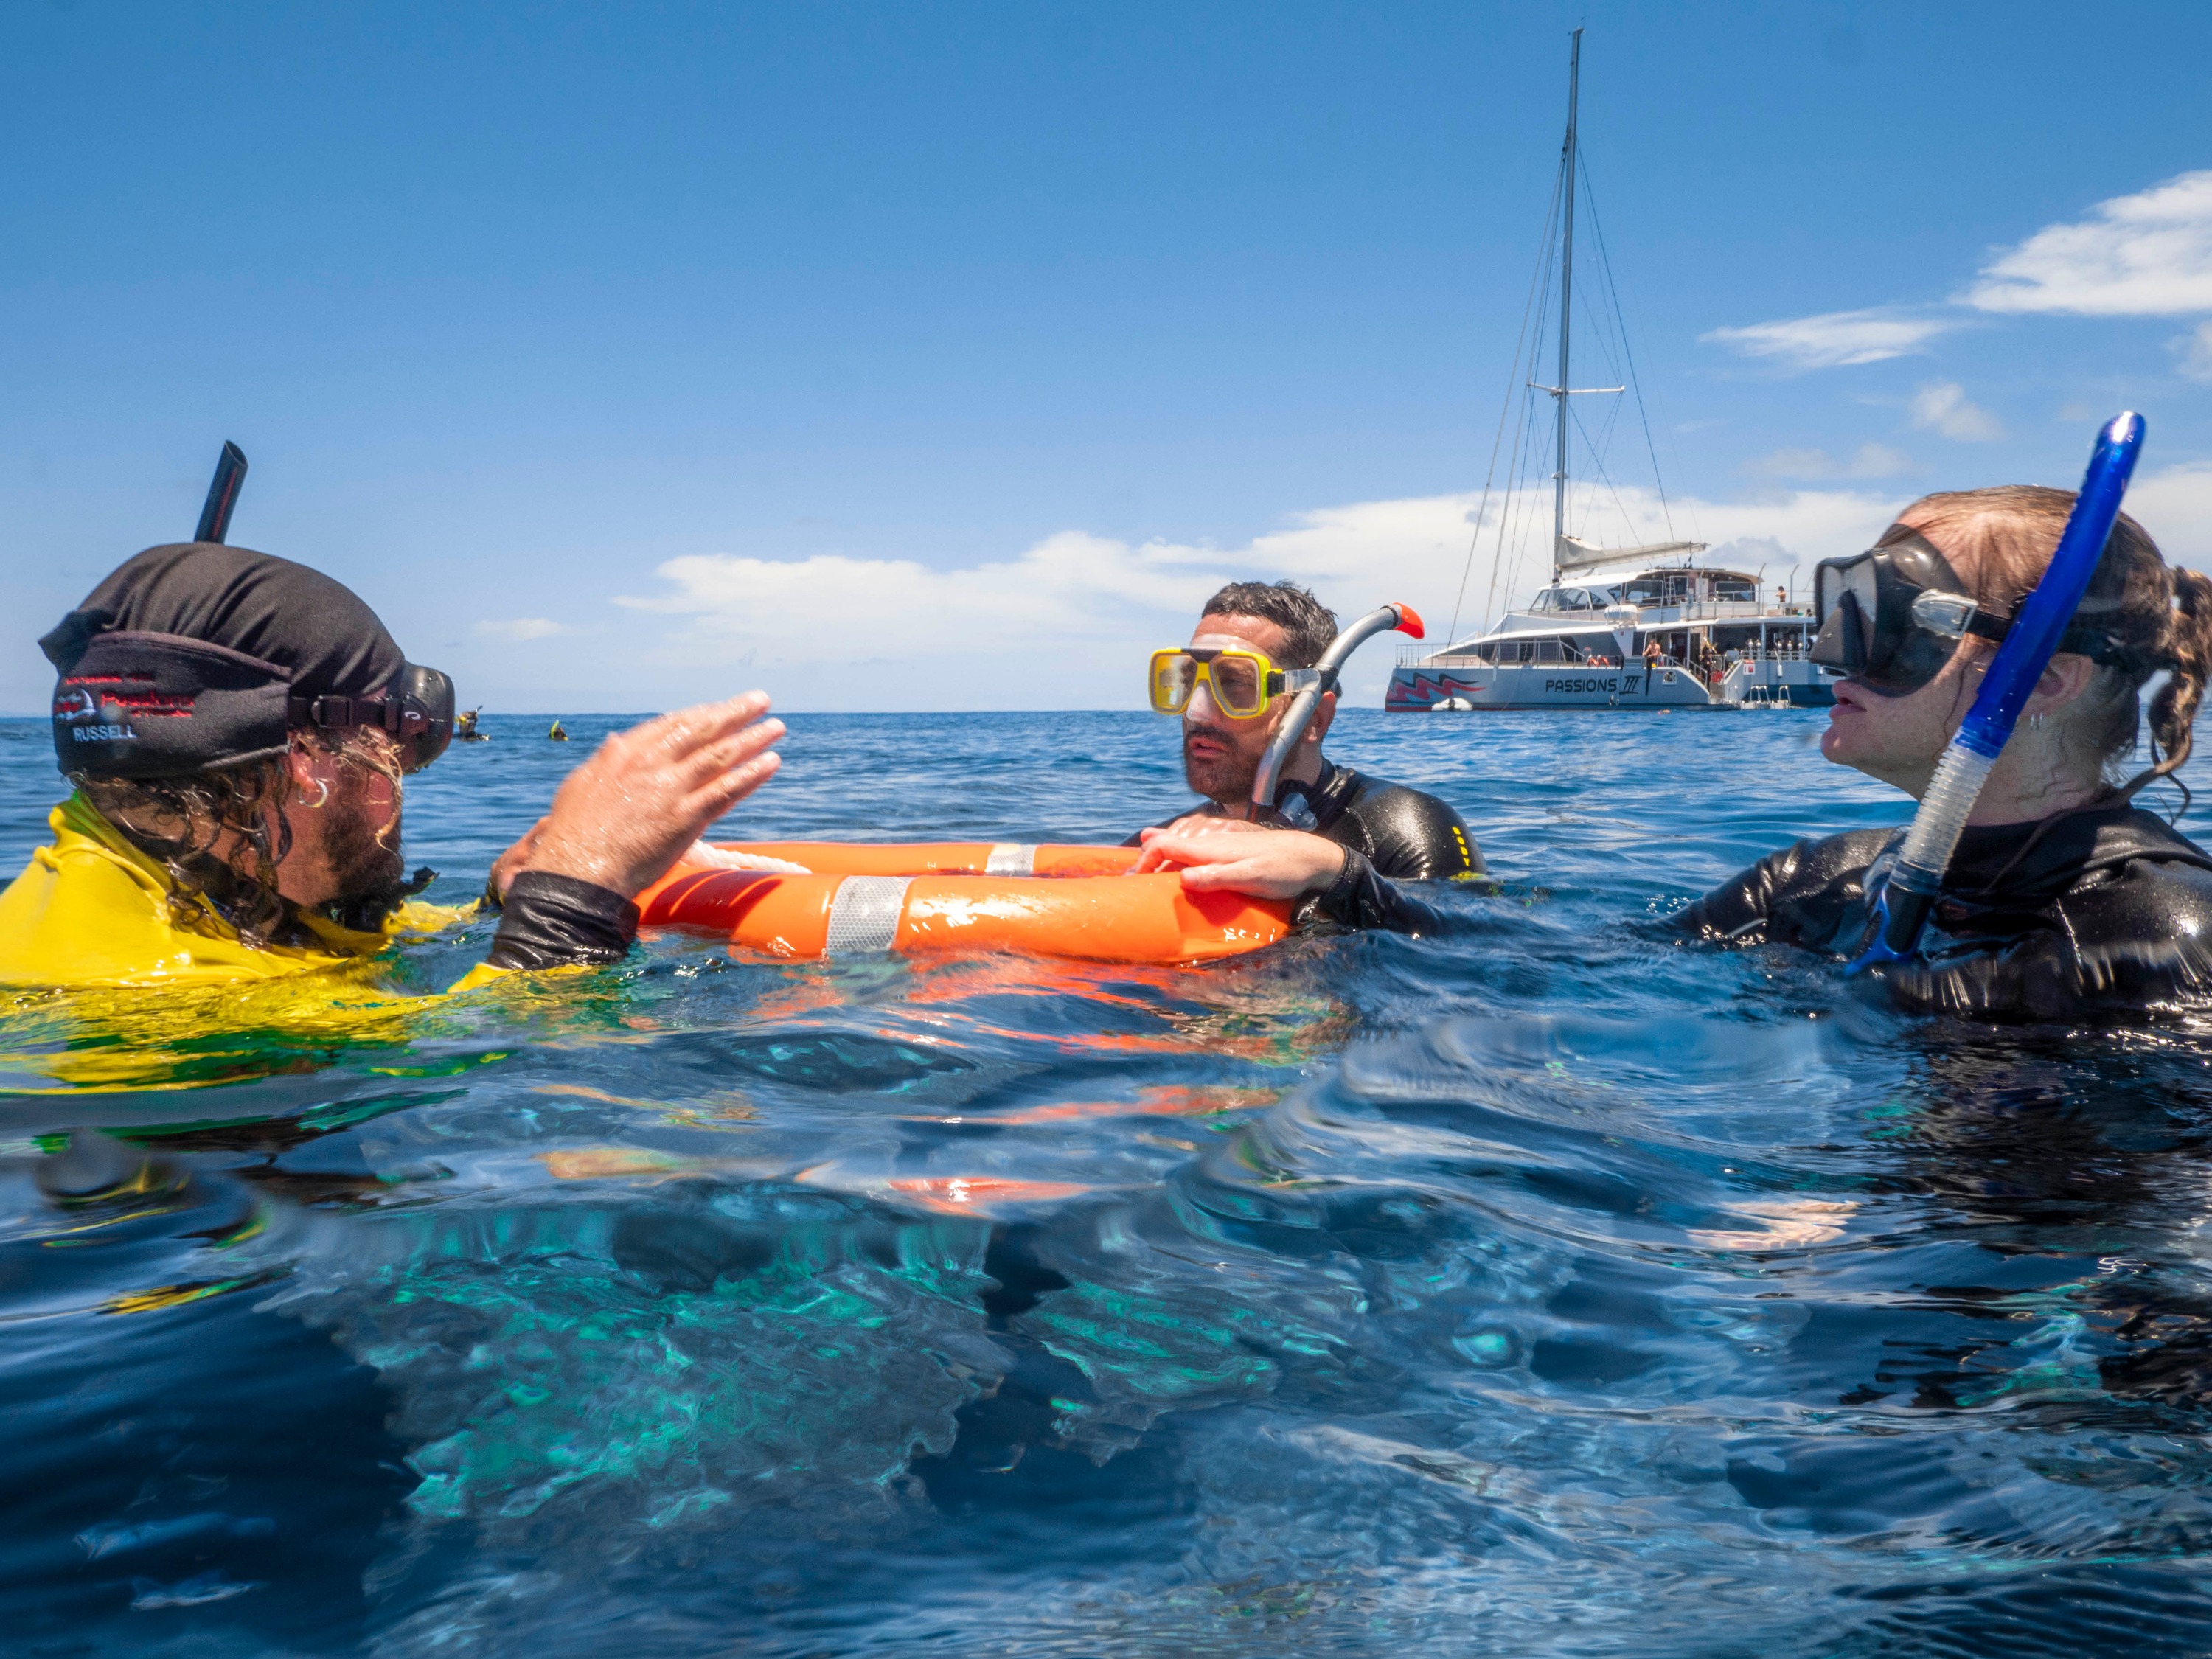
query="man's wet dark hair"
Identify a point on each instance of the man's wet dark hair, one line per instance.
(1310, 624)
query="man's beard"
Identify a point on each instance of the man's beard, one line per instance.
(372, 880)
(1228, 779)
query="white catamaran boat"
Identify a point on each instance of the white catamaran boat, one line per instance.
(1673, 634)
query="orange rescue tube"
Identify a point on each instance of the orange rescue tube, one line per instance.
(942, 857)
(1095, 918)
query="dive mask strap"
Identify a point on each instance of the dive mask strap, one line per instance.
(1955, 616)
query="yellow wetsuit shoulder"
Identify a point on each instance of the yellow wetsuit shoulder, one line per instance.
(92, 910)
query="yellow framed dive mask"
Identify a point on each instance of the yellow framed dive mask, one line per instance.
(1241, 682)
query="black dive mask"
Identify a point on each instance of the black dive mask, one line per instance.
(1891, 618)
(416, 711)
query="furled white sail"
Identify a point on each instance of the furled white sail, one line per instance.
(1571, 554)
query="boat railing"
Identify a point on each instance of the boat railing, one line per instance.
(1697, 611)
(1786, 650)
(1413, 656)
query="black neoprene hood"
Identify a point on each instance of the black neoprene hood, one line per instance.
(191, 656)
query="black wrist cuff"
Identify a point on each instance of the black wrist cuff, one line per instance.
(552, 922)
(1340, 900)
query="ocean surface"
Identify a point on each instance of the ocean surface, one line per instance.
(1546, 1287)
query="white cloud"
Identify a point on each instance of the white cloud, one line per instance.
(1835, 339)
(2195, 351)
(2145, 255)
(1064, 582)
(2175, 505)
(522, 627)
(1867, 461)
(1066, 624)
(1942, 407)
(1803, 526)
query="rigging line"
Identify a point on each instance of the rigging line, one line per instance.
(1516, 487)
(1513, 372)
(1517, 460)
(1523, 439)
(1598, 461)
(1527, 498)
(1605, 262)
(1603, 445)
(1514, 491)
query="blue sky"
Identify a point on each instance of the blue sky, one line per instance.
(941, 356)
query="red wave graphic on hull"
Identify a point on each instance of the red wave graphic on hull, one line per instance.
(1422, 691)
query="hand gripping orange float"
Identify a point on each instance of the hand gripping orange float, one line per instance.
(1041, 900)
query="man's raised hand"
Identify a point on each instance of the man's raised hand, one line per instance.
(624, 817)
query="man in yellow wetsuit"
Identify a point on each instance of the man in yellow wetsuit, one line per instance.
(237, 729)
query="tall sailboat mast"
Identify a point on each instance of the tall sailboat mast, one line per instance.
(1566, 290)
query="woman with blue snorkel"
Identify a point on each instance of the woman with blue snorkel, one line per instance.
(2032, 886)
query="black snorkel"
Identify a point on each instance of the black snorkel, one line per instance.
(418, 712)
(1902, 907)
(1400, 617)
(223, 495)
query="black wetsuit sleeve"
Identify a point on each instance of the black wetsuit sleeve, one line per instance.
(554, 921)
(1359, 898)
(1811, 893)
(1738, 907)
(1411, 836)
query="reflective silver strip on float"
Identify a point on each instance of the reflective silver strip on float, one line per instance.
(864, 915)
(1011, 858)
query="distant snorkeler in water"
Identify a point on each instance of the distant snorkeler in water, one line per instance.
(1339, 842)
(559, 734)
(2064, 900)
(237, 729)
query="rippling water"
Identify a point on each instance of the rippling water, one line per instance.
(1545, 1289)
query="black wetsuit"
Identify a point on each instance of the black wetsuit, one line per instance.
(2107, 916)
(1389, 833)
(551, 921)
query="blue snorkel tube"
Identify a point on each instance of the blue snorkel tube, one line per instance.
(1917, 879)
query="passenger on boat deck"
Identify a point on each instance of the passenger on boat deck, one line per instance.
(2064, 899)
(1341, 841)
(236, 729)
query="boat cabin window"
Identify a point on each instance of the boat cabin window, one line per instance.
(1580, 648)
(1573, 599)
(1656, 587)
(1690, 586)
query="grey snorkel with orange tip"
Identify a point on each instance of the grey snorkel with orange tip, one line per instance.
(2025, 650)
(1399, 618)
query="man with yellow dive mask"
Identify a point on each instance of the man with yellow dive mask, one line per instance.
(236, 729)
(1338, 842)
